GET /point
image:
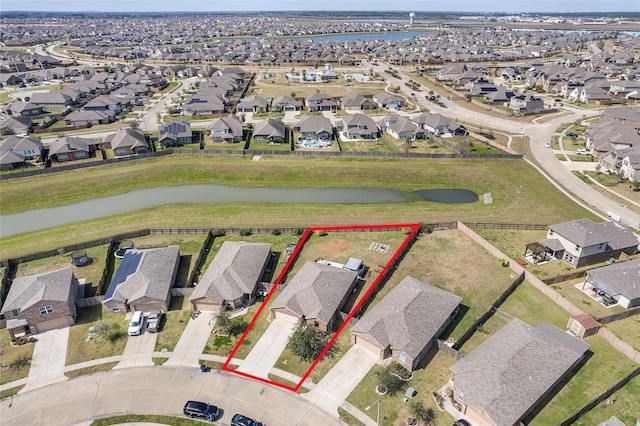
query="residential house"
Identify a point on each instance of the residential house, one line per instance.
(126, 142)
(404, 129)
(359, 127)
(103, 103)
(354, 101)
(27, 148)
(320, 102)
(227, 129)
(526, 104)
(617, 283)
(406, 322)
(24, 109)
(89, 118)
(17, 125)
(508, 375)
(315, 295)
(439, 125)
(630, 166)
(233, 277)
(388, 101)
(10, 161)
(253, 104)
(584, 242)
(451, 72)
(52, 100)
(71, 148)
(594, 95)
(41, 302)
(174, 133)
(271, 130)
(143, 280)
(285, 103)
(314, 127)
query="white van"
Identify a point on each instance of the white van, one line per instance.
(135, 326)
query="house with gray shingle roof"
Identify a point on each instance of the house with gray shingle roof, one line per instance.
(406, 322)
(354, 101)
(271, 130)
(316, 294)
(285, 103)
(143, 280)
(358, 127)
(40, 302)
(233, 277)
(315, 127)
(509, 374)
(175, 133)
(227, 129)
(586, 242)
(70, 148)
(126, 142)
(253, 104)
(387, 100)
(619, 282)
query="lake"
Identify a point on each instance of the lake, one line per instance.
(34, 220)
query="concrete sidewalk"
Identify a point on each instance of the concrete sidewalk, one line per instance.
(189, 349)
(138, 351)
(48, 359)
(267, 350)
(335, 387)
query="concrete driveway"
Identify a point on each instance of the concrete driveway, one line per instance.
(343, 378)
(189, 348)
(163, 391)
(267, 350)
(138, 351)
(48, 360)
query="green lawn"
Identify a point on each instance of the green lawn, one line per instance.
(366, 146)
(628, 330)
(146, 419)
(269, 146)
(79, 349)
(532, 306)
(518, 192)
(173, 324)
(604, 368)
(14, 360)
(626, 407)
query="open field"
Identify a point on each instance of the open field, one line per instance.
(518, 194)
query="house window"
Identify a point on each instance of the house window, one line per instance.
(115, 307)
(577, 248)
(402, 359)
(46, 309)
(15, 313)
(62, 157)
(568, 257)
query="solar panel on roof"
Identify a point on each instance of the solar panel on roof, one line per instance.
(128, 266)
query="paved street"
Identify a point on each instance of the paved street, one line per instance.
(161, 390)
(48, 360)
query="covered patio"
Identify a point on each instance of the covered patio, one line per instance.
(543, 251)
(600, 292)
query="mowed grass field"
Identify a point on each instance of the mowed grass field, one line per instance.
(519, 194)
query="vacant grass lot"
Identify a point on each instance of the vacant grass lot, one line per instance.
(518, 192)
(80, 349)
(14, 360)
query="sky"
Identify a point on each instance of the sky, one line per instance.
(512, 6)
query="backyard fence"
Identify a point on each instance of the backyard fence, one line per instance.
(514, 226)
(599, 399)
(565, 277)
(621, 315)
(202, 256)
(89, 301)
(477, 324)
(444, 347)
(181, 291)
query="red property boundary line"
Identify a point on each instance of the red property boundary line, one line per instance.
(414, 228)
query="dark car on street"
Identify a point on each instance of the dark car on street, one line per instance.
(461, 422)
(240, 420)
(201, 409)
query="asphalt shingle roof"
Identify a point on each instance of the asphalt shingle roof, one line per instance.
(30, 290)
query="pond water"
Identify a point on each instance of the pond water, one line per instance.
(34, 220)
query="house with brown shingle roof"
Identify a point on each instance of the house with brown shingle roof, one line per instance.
(315, 295)
(233, 277)
(227, 129)
(40, 302)
(270, 130)
(126, 142)
(406, 322)
(504, 379)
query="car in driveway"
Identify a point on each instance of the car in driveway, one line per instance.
(242, 420)
(572, 135)
(547, 144)
(582, 152)
(202, 410)
(136, 324)
(153, 321)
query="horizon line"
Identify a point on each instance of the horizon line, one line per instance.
(329, 11)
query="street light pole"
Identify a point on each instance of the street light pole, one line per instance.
(378, 415)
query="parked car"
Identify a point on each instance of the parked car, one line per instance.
(462, 422)
(241, 420)
(153, 321)
(202, 410)
(547, 144)
(582, 152)
(136, 324)
(263, 292)
(572, 135)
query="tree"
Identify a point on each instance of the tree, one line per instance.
(307, 342)
(390, 381)
(424, 414)
(222, 319)
(134, 125)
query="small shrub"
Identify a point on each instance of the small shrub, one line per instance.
(276, 231)
(298, 231)
(245, 232)
(218, 232)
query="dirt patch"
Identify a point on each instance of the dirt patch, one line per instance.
(333, 246)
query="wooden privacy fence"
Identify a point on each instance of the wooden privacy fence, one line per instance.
(621, 315)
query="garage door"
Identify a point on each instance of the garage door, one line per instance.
(148, 307)
(205, 305)
(53, 324)
(368, 346)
